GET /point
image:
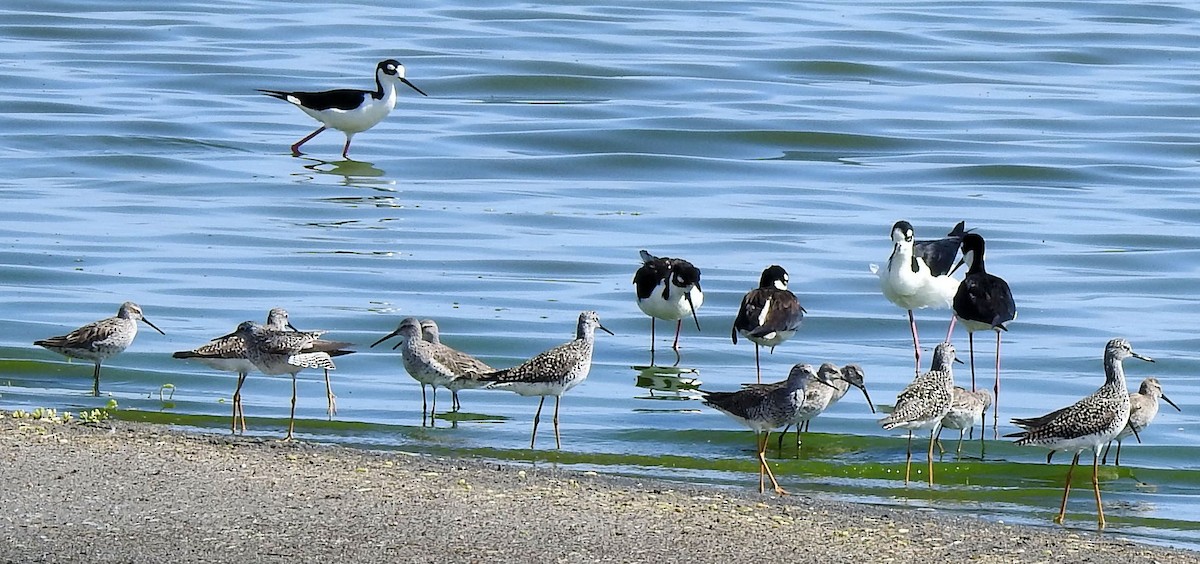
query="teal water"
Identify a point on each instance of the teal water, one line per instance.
(140, 164)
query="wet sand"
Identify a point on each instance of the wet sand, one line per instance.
(129, 492)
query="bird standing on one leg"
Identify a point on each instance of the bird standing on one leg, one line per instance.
(347, 110)
(668, 288)
(769, 315)
(983, 302)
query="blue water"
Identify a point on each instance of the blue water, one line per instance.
(140, 164)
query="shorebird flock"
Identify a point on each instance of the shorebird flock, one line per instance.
(918, 275)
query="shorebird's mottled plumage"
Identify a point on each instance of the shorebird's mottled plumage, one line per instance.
(966, 407)
(819, 397)
(473, 367)
(910, 282)
(1088, 423)
(432, 363)
(668, 289)
(229, 354)
(764, 408)
(769, 314)
(276, 352)
(552, 372)
(923, 403)
(100, 340)
(1143, 408)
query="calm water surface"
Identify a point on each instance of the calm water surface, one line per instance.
(140, 164)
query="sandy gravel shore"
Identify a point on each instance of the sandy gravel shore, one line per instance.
(125, 492)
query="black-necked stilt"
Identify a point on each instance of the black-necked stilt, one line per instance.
(923, 403)
(769, 315)
(983, 302)
(552, 372)
(1087, 424)
(434, 364)
(668, 288)
(909, 282)
(1143, 408)
(766, 408)
(347, 110)
(100, 340)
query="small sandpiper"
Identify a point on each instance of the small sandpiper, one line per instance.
(910, 281)
(553, 372)
(347, 110)
(669, 289)
(1088, 424)
(769, 315)
(100, 340)
(966, 407)
(923, 404)
(1143, 408)
(818, 397)
(765, 408)
(434, 364)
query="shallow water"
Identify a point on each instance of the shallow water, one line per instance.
(140, 164)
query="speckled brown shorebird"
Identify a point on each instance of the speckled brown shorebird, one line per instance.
(553, 372)
(764, 408)
(1087, 424)
(100, 340)
(923, 404)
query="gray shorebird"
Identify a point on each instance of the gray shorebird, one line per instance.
(471, 367)
(769, 315)
(431, 363)
(668, 289)
(274, 352)
(923, 404)
(966, 407)
(552, 372)
(346, 110)
(1143, 408)
(1087, 424)
(983, 302)
(917, 275)
(764, 408)
(229, 354)
(100, 340)
(818, 396)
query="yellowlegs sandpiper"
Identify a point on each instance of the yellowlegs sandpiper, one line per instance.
(1087, 424)
(765, 408)
(553, 372)
(923, 404)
